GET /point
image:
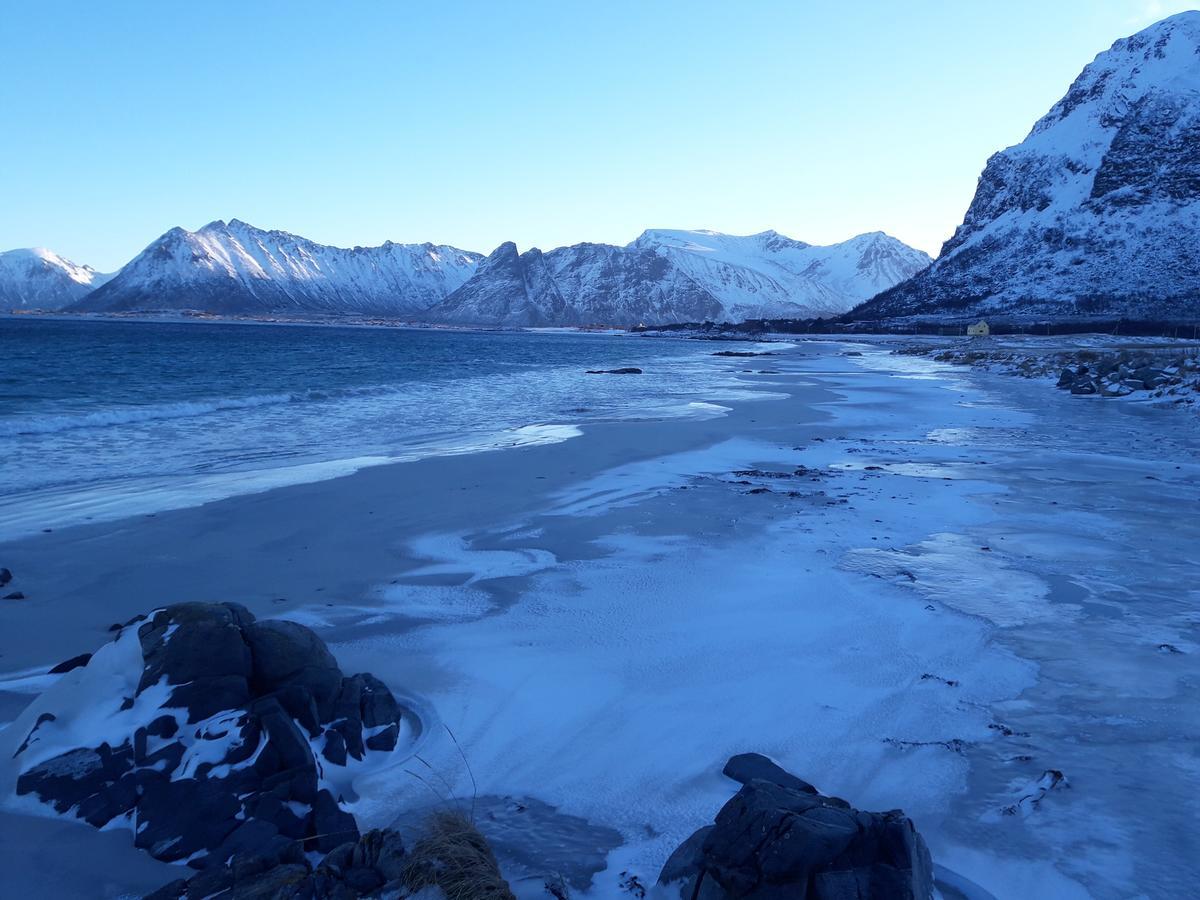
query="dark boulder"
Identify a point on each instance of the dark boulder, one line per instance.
(73, 663)
(335, 748)
(5, 576)
(385, 739)
(286, 653)
(332, 826)
(747, 767)
(378, 706)
(627, 370)
(190, 641)
(778, 837)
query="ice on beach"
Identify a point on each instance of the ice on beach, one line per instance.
(957, 571)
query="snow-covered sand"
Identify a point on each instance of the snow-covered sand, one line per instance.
(952, 584)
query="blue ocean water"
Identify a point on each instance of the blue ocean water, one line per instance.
(103, 419)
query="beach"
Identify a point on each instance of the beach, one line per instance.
(915, 586)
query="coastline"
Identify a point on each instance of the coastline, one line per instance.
(795, 620)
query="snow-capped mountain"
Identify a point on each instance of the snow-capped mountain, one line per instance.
(768, 275)
(583, 284)
(1097, 212)
(679, 276)
(237, 268)
(662, 277)
(41, 279)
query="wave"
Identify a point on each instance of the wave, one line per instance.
(102, 418)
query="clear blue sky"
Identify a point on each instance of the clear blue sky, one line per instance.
(541, 122)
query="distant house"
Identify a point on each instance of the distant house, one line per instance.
(979, 329)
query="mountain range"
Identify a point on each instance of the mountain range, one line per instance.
(663, 276)
(1096, 213)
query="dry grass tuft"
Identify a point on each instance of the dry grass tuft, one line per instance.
(455, 857)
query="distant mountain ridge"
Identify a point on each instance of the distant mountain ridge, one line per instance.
(769, 275)
(668, 276)
(664, 276)
(237, 268)
(1096, 213)
(37, 278)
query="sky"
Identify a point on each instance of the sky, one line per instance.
(544, 123)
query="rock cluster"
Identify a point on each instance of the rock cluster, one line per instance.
(234, 731)
(371, 866)
(778, 837)
(1165, 373)
(1116, 380)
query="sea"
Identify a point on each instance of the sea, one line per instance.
(104, 419)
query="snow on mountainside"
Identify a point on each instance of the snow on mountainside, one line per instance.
(579, 285)
(237, 268)
(768, 275)
(662, 277)
(679, 276)
(1097, 211)
(41, 279)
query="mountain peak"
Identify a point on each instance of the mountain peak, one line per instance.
(37, 278)
(1097, 212)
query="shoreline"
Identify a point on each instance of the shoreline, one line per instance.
(850, 626)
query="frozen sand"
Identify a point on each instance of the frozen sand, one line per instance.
(607, 619)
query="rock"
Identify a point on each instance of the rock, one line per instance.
(73, 663)
(778, 838)
(384, 740)
(372, 865)
(5, 576)
(220, 765)
(286, 747)
(378, 706)
(747, 767)
(191, 641)
(204, 697)
(1084, 386)
(687, 861)
(627, 370)
(1066, 378)
(15, 595)
(332, 825)
(335, 748)
(285, 653)
(743, 353)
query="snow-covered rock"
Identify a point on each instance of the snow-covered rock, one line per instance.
(237, 268)
(1097, 212)
(768, 275)
(41, 279)
(206, 733)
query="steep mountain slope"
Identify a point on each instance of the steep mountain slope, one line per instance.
(583, 284)
(41, 279)
(236, 268)
(1097, 212)
(678, 276)
(768, 275)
